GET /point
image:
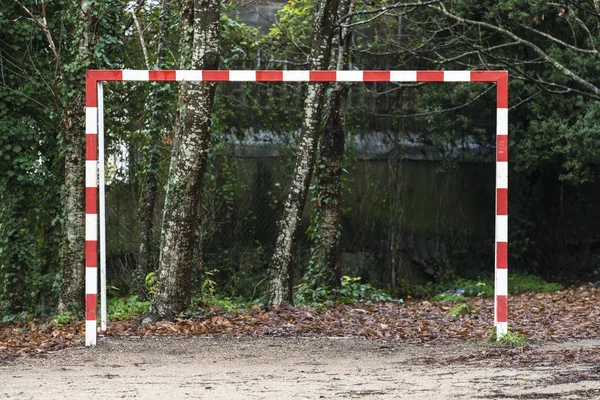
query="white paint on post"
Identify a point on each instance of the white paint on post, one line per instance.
(242, 76)
(502, 175)
(136, 75)
(501, 282)
(91, 173)
(403, 76)
(91, 277)
(457, 76)
(501, 228)
(91, 227)
(184, 75)
(296, 76)
(102, 210)
(501, 329)
(349, 76)
(502, 121)
(91, 122)
(90, 333)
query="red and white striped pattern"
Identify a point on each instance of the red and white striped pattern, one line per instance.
(295, 76)
(91, 207)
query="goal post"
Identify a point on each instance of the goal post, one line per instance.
(94, 166)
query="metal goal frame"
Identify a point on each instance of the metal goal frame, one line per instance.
(94, 161)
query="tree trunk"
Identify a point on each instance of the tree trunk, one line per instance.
(186, 177)
(73, 263)
(280, 275)
(325, 265)
(325, 262)
(147, 250)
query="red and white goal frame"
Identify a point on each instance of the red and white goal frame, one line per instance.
(94, 175)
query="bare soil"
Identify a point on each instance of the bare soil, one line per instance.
(304, 368)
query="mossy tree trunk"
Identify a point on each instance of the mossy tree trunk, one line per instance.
(325, 261)
(280, 275)
(73, 262)
(186, 175)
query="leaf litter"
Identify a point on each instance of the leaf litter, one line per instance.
(564, 315)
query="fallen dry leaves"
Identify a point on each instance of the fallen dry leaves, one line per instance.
(573, 313)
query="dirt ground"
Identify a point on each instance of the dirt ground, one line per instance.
(302, 368)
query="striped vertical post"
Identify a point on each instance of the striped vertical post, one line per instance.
(91, 209)
(501, 264)
(500, 78)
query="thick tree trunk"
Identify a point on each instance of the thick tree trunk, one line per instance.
(186, 177)
(325, 266)
(146, 258)
(73, 263)
(71, 293)
(280, 276)
(325, 263)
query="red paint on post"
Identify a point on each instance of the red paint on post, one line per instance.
(501, 255)
(430, 76)
(91, 147)
(501, 308)
(501, 201)
(106, 75)
(91, 253)
(323, 76)
(91, 200)
(91, 95)
(269, 76)
(502, 148)
(376, 76)
(166, 75)
(90, 307)
(215, 75)
(486, 76)
(92, 77)
(502, 91)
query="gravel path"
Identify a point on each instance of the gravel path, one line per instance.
(301, 368)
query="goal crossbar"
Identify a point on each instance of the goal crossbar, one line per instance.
(94, 165)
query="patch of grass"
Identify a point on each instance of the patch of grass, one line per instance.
(227, 304)
(459, 310)
(510, 339)
(449, 298)
(63, 319)
(120, 308)
(351, 291)
(517, 283)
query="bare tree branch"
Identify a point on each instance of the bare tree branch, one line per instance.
(43, 24)
(505, 32)
(558, 41)
(141, 36)
(385, 9)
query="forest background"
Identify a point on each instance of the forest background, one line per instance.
(402, 194)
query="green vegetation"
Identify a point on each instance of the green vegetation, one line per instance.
(459, 310)
(351, 291)
(120, 308)
(510, 339)
(461, 289)
(63, 319)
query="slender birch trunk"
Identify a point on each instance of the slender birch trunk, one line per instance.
(280, 275)
(186, 176)
(147, 252)
(325, 263)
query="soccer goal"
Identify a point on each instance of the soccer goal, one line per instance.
(95, 244)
